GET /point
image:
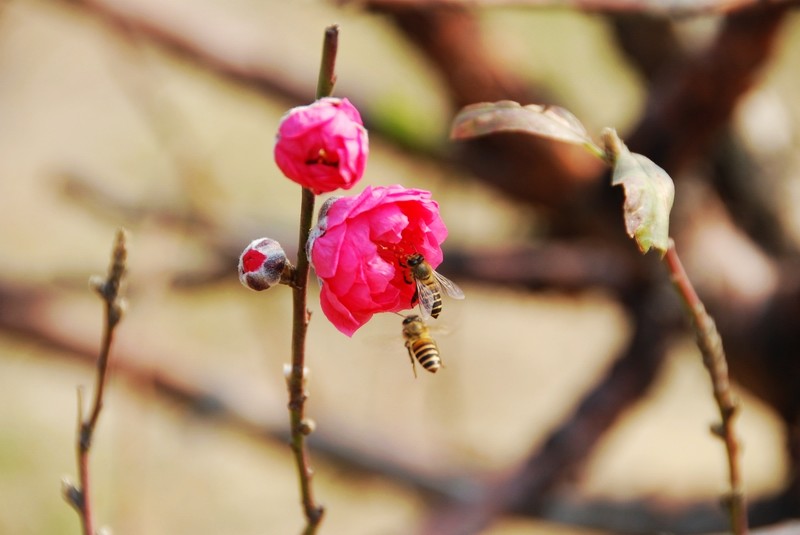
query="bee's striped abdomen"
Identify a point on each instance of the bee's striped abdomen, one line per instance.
(429, 286)
(436, 307)
(421, 347)
(426, 353)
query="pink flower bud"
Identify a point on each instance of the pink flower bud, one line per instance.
(361, 245)
(323, 146)
(262, 264)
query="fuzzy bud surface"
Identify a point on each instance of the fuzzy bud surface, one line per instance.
(262, 264)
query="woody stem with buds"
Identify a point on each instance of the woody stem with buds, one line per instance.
(296, 379)
(108, 289)
(710, 344)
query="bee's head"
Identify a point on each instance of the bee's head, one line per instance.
(410, 319)
(415, 259)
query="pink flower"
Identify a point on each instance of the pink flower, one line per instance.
(323, 146)
(359, 245)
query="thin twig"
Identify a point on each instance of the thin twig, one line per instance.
(108, 289)
(710, 344)
(300, 426)
(327, 74)
(297, 377)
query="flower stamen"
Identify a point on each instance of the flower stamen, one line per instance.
(322, 159)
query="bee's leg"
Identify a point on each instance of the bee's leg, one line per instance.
(413, 364)
(415, 297)
(406, 278)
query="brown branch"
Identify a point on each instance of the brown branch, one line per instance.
(327, 70)
(683, 114)
(675, 8)
(710, 344)
(524, 491)
(108, 290)
(231, 61)
(296, 379)
(688, 150)
(24, 315)
(652, 47)
(450, 37)
(561, 266)
(525, 168)
(650, 43)
(690, 103)
(648, 516)
(79, 496)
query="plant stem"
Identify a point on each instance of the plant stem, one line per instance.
(108, 289)
(80, 498)
(710, 344)
(300, 427)
(327, 74)
(296, 379)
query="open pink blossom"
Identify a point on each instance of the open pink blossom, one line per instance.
(323, 146)
(360, 243)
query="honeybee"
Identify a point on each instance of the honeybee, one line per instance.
(421, 346)
(429, 286)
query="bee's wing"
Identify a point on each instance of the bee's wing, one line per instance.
(449, 286)
(426, 298)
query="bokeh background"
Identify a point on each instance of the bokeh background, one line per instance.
(107, 121)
